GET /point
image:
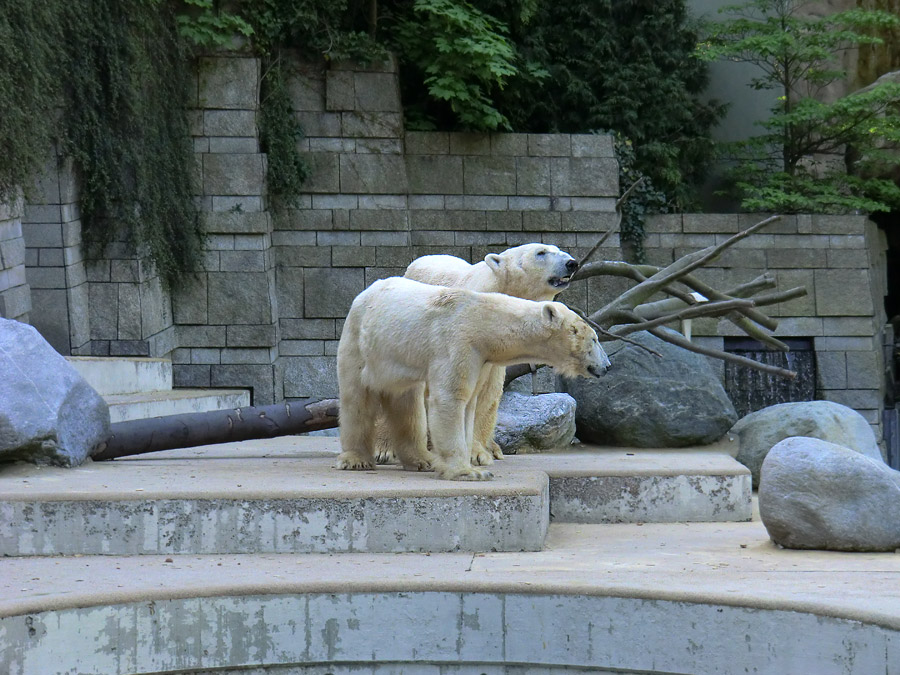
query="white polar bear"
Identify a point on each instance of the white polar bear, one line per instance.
(403, 338)
(530, 271)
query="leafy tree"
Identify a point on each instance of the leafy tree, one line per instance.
(625, 66)
(786, 167)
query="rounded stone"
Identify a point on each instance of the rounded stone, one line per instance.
(538, 423)
(818, 495)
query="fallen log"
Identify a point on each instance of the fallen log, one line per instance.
(136, 437)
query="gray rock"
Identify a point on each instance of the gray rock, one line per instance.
(818, 495)
(824, 420)
(534, 423)
(650, 402)
(48, 413)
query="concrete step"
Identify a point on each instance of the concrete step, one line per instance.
(129, 375)
(124, 407)
(284, 496)
(674, 598)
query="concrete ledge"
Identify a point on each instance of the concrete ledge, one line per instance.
(599, 485)
(124, 407)
(110, 376)
(693, 598)
(288, 505)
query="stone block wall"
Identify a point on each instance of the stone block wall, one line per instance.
(15, 294)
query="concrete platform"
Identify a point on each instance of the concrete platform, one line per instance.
(288, 504)
(284, 496)
(654, 598)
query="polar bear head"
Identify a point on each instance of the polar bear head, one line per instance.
(578, 353)
(532, 271)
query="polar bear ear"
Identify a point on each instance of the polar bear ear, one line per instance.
(551, 315)
(493, 260)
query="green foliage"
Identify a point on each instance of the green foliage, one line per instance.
(461, 55)
(279, 134)
(30, 94)
(642, 201)
(782, 168)
(627, 66)
(204, 25)
(126, 128)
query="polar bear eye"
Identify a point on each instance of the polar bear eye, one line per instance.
(541, 253)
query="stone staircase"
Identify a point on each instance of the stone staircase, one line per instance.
(137, 388)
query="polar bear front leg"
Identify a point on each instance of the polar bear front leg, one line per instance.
(447, 427)
(384, 452)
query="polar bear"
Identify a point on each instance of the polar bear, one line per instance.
(530, 271)
(403, 338)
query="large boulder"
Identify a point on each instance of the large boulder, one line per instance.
(646, 401)
(48, 413)
(534, 423)
(818, 495)
(824, 420)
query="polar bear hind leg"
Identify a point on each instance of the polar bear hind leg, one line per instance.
(485, 449)
(359, 407)
(405, 431)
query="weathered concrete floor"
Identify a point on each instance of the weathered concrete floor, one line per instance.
(732, 564)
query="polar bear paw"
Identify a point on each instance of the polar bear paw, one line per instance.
(465, 473)
(495, 449)
(385, 456)
(351, 461)
(420, 465)
(480, 456)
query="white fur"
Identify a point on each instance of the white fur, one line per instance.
(403, 338)
(530, 271)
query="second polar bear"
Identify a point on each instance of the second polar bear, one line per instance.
(530, 271)
(403, 338)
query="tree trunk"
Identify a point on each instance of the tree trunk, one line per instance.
(136, 437)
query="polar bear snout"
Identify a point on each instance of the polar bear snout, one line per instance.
(596, 371)
(598, 362)
(571, 266)
(566, 267)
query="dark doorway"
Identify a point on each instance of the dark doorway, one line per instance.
(751, 390)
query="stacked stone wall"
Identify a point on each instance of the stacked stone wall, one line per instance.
(15, 295)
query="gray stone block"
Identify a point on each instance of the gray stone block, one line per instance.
(242, 261)
(12, 254)
(843, 293)
(307, 329)
(354, 256)
(103, 302)
(304, 219)
(310, 376)
(594, 204)
(796, 257)
(205, 356)
(283, 238)
(233, 145)
(849, 326)
(129, 327)
(785, 279)
(316, 124)
(379, 146)
(710, 222)
(510, 221)
(372, 125)
(831, 370)
(489, 175)
(229, 123)
(373, 174)
(42, 235)
(50, 316)
(184, 375)
(493, 240)
(587, 221)
(233, 174)
(447, 220)
(384, 239)
(155, 307)
(592, 145)
(289, 289)
(469, 143)
(35, 213)
(822, 224)
(124, 271)
(332, 145)
(201, 336)
(509, 145)
(337, 238)
(434, 174)
(848, 258)
(339, 90)
(584, 177)
(863, 370)
(848, 241)
(847, 344)
(426, 143)
(395, 220)
(328, 293)
(248, 356)
(129, 348)
(541, 221)
(529, 203)
(382, 201)
(306, 87)
(549, 145)
(303, 256)
(46, 277)
(664, 222)
(228, 83)
(533, 176)
(377, 92)
(395, 257)
(258, 378)
(302, 348)
(15, 303)
(476, 202)
(251, 242)
(432, 238)
(239, 298)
